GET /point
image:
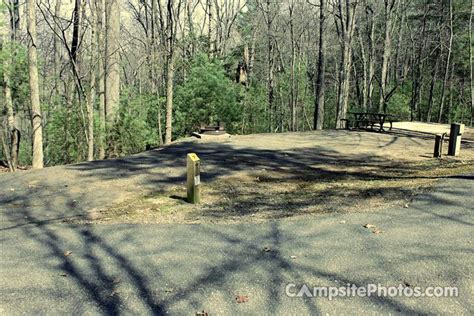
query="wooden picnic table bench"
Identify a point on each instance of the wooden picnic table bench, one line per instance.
(369, 119)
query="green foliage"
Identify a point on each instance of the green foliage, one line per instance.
(18, 70)
(254, 112)
(208, 96)
(330, 101)
(65, 140)
(137, 124)
(64, 137)
(13, 59)
(399, 103)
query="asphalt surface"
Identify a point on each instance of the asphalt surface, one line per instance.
(184, 269)
(48, 265)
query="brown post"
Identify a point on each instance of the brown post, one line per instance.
(438, 147)
(193, 166)
(455, 139)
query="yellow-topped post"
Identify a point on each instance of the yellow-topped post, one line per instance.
(193, 166)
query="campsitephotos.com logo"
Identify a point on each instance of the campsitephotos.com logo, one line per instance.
(379, 290)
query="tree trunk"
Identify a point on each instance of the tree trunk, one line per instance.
(92, 91)
(156, 39)
(398, 73)
(461, 100)
(471, 62)
(9, 38)
(36, 116)
(169, 73)
(209, 27)
(6, 151)
(76, 30)
(169, 98)
(320, 81)
(347, 27)
(451, 92)
(371, 54)
(292, 71)
(270, 66)
(417, 66)
(101, 75)
(448, 60)
(12, 131)
(387, 50)
(434, 77)
(57, 49)
(112, 73)
(365, 73)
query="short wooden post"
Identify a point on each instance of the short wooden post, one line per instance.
(438, 147)
(193, 165)
(455, 139)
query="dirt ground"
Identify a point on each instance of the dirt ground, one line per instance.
(433, 128)
(266, 176)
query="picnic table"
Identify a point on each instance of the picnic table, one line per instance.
(366, 119)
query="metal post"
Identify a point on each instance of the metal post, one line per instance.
(455, 139)
(193, 164)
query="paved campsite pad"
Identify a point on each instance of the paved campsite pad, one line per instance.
(50, 267)
(247, 178)
(52, 264)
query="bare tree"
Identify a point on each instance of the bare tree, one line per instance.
(269, 13)
(9, 44)
(112, 61)
(99, 10)
(6, 150)
(320, 84)
(171, 26)
(36, 116)
(371, 54)
(92, 82)
(471, 61)
(390, 10)
(448, 60)
(57, 46)
(345, 25)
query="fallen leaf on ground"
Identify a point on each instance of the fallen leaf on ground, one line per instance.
(369, 226)
(203, 313)
(241, 298)
(116, 281)
(113, 293)
(67, 253)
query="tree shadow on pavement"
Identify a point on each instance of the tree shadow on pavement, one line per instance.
(162, 269)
